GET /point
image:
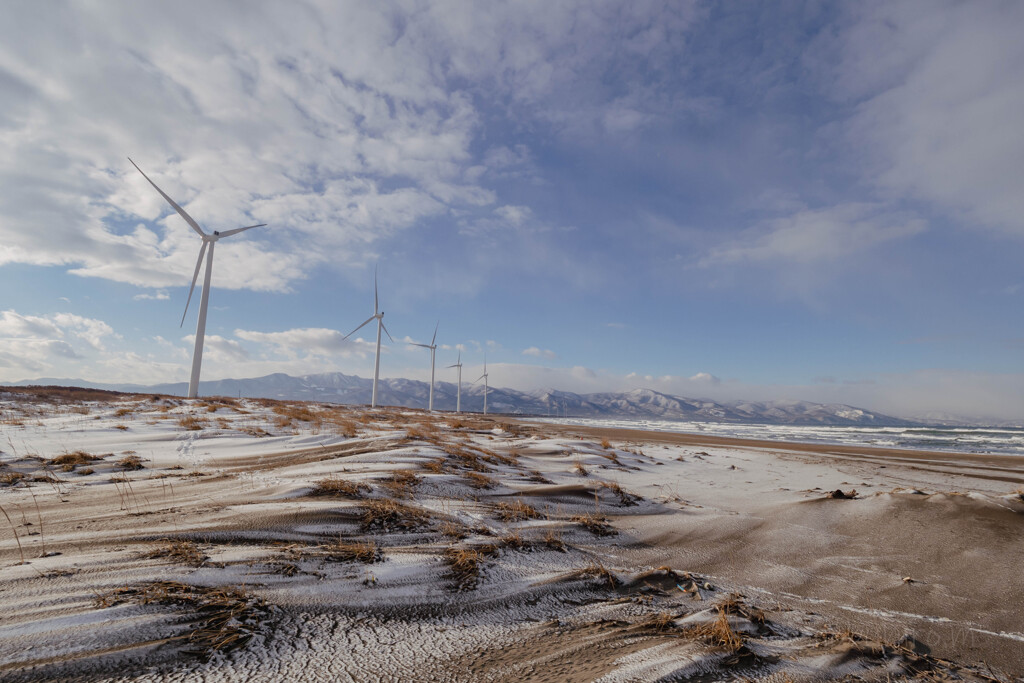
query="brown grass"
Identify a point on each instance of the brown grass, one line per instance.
(579, 468)
(225, 618)
(69, 461)
(122, 412)
(595, 524)
(606, 444)
(464, 564)
(720, 633)
(401, 483)
(130, 462)
(191, 423)
(389, 515)
(599, 571)
(478, 481)
(178, 550)
(625, 497)
(340, 488)
(436, 465)
(515, 511)
(352, 551)
(514, 541)
(553, 540)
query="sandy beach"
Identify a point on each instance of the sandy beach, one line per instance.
(157, 539)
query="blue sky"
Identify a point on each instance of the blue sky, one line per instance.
(777, 200)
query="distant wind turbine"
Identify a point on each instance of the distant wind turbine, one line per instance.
(379, 317)
(208, 241)
(484, 378)
(458, 392)
(433, 347)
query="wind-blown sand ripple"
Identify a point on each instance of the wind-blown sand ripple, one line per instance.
(324, 543)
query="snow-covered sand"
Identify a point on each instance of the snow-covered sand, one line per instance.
(243, 539)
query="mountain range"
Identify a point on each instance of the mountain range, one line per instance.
(336, 387)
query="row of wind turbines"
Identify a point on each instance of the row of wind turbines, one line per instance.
(211, 239)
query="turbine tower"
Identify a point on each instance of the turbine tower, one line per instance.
(379, 317)
(484, 378)
(458, 392)
(433, 347)
(208, 241)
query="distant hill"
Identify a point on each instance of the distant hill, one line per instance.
(336, 387)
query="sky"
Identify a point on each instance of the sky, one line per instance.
(725, 200)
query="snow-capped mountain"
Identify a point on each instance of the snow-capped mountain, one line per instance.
(640, 403)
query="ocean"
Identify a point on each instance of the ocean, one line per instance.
(995, 440)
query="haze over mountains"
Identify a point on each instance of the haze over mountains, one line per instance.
(336, 387)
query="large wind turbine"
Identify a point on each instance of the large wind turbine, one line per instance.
(484, 378)
(433, 347)
(458, 392)
(379, 317)
(208, 241)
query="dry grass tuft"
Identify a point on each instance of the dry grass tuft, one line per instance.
(478, 481)
(191, 423)
(338, 487)
(659, 623)
(348, 551)
(390, 515)
(130, 462)
(553, 540)
(515, 511)
(579, 468)
(537, 476)
(11, 478)
(606, 444)
(514, 541)
(595, 524)
(599, 571)
(225, 618)
(454, 530)
(625, 497)
(401, 483)
(436, 465)
(720, 633)
(70, 461)
(178, 550)
(464, 564)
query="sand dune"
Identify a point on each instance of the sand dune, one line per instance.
(271, 541)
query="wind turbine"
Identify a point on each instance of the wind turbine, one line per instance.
(379, 317)
(208, 241)
(484, 378)
(458, 392)
(433, 347)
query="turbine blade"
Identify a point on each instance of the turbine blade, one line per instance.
(386, 331)
(372, 317)
(434, 338)
(375, 309)
(181, 211)
(229, 233)
(195, 276)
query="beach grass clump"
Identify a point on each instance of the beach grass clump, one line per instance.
(478, 480)
(434, 465)
(606, 444)
(336, 487)
(191, 423)
(537, 477)
(658, 623)
(385, 514)
(341, 550)
(177, 550)
(595, 523)
(600, 572)
(514, 541)
(130, 462)
(401, 483)
(224, 618)
(626, 498)
(464, 566)
(515, 511)
(69, 461)
(719, 633)
(553, 540)
(579, 468)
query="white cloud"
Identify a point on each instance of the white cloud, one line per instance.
(157, 296)
(813, 236)
(540, 353)
(938, 99)
(301, 342)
